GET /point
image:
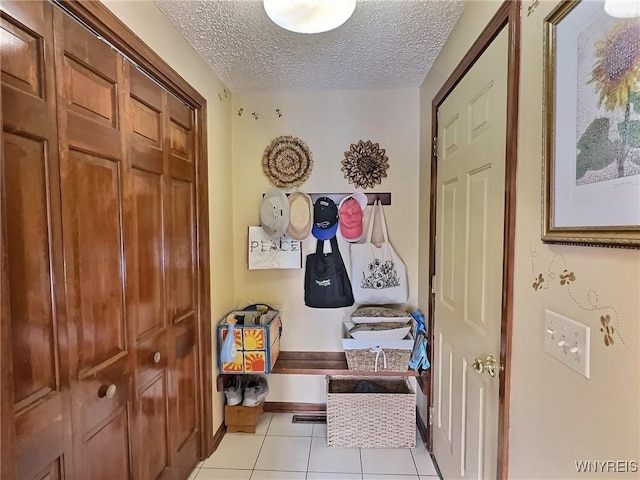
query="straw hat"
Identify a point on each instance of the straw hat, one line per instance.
(287, 162)
(300, 215)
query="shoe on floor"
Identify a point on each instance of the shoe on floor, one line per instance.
(233, 391)
(256, 391)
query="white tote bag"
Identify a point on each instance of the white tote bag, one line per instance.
(378, 275)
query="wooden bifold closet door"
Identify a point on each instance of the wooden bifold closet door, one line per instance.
(100, 200)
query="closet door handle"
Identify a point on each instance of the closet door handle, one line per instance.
(156, 357)
(107, 391)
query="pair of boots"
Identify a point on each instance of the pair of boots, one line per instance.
(249, 390)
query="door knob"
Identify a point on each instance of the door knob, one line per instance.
(489, 364)
(107, 391)
(156, 357)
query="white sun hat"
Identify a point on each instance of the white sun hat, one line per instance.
(274, 213)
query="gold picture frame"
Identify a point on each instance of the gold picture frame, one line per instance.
(591, 184)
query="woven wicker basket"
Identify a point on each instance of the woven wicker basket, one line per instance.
(370, 420)
(364, 360)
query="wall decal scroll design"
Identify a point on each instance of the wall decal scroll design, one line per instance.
(558, 274)
(607, 329)
(255, 114)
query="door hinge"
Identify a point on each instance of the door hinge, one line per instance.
(433, 284)
(431, 410)
(435, 147)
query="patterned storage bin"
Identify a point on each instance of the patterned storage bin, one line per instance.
(370, 420)
(258, 345)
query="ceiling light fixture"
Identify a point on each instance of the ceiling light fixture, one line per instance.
(309, 16)
(622, 8)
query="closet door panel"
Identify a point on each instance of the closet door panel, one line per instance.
(91, 108)
(181, 251)
(99, 348)
(148, 306)
(92, 91)
(33, 249)
(151, 329)
(35, 356)
(185, 400)
(185, 369)
(24, 28)
(94, 189)
(25, 103)
(182, 281)
(147, 188)
(107, 445)
(181, 268)
(92, 221)
(53, 471)
(153, 426)
(181, 140)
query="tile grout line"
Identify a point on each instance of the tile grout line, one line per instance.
(306, 473)
(309, 456)
(264, 438)
(415, 465)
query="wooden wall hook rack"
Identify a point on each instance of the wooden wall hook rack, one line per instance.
(384, 197)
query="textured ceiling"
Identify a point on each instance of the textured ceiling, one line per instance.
(385, 44)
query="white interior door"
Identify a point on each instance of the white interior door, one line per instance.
(469, 247)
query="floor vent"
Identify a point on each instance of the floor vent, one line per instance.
(318, 418)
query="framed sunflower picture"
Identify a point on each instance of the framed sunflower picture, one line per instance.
(591, 193)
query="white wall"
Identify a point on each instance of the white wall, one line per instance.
(557, 416)
(148, 23)
(328, 122)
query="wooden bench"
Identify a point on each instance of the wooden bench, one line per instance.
(328, 363)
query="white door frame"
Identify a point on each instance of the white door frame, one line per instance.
(507, 16)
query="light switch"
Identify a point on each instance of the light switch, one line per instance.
(568, 341)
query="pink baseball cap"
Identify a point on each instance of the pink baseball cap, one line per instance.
(351, 216)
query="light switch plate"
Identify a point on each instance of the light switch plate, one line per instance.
(568, 341)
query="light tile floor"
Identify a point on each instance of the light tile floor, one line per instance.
(281, 450)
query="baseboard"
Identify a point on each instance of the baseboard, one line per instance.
(422, 428)
(217, 438)
(290, 407)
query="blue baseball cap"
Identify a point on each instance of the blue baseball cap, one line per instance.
(325, 219)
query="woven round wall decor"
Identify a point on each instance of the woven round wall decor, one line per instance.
(287, 162)
(365, 164)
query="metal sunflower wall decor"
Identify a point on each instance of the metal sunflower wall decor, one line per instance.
(287, 161)
(365, 164)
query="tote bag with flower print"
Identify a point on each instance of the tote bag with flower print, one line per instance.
(378, 275)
